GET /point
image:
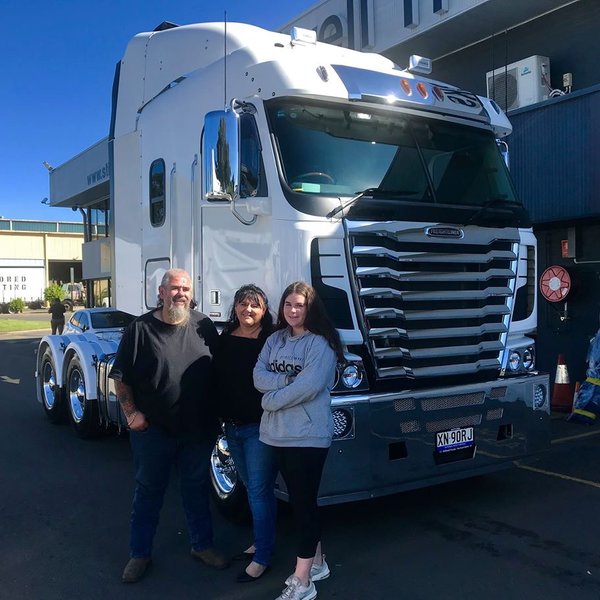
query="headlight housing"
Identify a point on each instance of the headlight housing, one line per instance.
(520, 360)
(350, 377)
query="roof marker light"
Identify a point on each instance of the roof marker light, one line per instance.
(422, 90)
(438, 92)
(303, 36)
(419, 64)
(405, 85)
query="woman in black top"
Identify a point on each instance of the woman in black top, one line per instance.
(240, 343)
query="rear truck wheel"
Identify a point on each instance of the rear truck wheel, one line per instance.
(52, 394)
(228, 491)
(83, 413)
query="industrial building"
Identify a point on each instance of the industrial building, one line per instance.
(34, 254)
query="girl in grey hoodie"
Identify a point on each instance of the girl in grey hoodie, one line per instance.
(295, 372)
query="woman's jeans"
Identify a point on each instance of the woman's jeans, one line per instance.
(255, 464)
(154, 453)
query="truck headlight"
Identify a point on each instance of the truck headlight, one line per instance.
(350, 377)
(521, 360)
(528, 359)
(514, 361)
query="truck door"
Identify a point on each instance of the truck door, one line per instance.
(235, 213)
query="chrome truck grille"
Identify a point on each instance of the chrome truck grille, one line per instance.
(435, 301)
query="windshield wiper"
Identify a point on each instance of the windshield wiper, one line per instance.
(494, 203)
(368, 192)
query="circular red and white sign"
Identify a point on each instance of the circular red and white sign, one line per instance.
(555, 283)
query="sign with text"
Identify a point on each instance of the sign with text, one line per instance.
(20, 281)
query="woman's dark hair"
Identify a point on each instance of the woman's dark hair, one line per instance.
(316, 320)
(254, 294)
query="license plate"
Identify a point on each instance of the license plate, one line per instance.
(453, 439)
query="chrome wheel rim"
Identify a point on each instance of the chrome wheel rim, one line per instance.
(223, 474)
(49, 387)
(77, 395)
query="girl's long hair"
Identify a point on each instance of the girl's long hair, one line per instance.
(316, 320)
(255, 295)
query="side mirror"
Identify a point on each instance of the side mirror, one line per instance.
(221, 155)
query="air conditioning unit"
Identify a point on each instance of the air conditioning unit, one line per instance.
(521, 83)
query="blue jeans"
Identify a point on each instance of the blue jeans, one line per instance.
(255, 464)
(154, 453)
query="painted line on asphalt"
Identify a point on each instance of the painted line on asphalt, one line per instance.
(559, 475)
(575, 437)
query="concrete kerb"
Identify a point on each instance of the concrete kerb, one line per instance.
(24, 335)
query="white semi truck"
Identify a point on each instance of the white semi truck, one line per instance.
(243, 155)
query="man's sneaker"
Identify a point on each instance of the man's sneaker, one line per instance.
(317, 572)
(296, 591)
(211, 557)
(135, 569)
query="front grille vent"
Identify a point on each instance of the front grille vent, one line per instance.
(444, 424)
(434, 307)
(453, 401)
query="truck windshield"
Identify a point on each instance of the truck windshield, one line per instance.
(403, 164)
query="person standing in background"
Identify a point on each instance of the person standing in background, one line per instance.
(57, 319)
(295, 371)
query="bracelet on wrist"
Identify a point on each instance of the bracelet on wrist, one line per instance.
(132, 418)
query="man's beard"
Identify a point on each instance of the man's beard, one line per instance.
(180, 315)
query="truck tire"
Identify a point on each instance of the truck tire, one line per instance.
(52, 394)
(228, 491)
(83, 412)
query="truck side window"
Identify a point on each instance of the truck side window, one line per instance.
(252, 179)
(157, 193)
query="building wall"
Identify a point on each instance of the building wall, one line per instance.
(568, 37)
(34, 253)
(40, 245)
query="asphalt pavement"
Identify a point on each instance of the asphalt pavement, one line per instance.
(529, 532)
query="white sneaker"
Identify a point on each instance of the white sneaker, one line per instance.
(317, 572)
(296, 591)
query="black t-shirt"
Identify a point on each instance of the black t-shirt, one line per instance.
(234, 361)
(168, 368)
(57, 311)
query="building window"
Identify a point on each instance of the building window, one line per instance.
(411, 13)
(440, 7)
(157, 193)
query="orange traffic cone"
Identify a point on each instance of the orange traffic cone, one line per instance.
(562, 394)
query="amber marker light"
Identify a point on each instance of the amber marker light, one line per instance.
(405, 85)
(422, 90)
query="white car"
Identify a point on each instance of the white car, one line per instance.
(106, 323)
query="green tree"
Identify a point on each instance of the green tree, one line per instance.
(54, 292)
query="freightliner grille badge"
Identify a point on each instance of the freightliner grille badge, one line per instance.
(446, 232)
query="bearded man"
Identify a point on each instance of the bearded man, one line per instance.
(162, 378)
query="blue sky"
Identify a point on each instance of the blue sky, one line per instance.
(58, 60)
